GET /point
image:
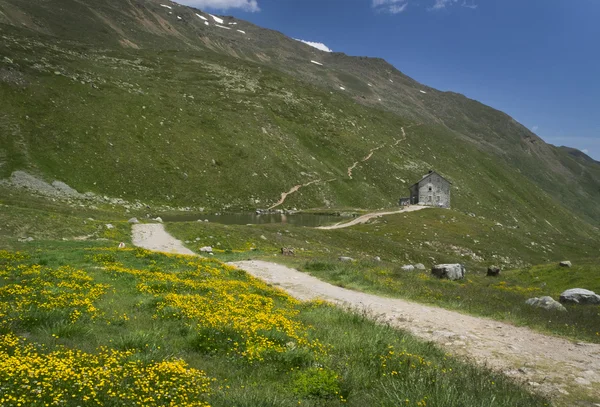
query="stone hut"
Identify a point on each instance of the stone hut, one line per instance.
(431, 190)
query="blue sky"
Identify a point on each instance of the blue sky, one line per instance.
(537, 60)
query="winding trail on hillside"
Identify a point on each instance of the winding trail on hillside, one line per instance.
(365, 218)
(295, 188)
(552, 365)
(366, 158)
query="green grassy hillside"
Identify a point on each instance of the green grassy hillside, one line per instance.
(100, 77)
(210, 131)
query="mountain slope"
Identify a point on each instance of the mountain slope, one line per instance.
(138, 100)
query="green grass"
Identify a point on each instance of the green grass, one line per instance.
(23, 216)
(364, 362)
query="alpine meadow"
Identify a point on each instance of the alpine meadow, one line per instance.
(131, 129)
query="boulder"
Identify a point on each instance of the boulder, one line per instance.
(345, 258)
(206, 249)
(579, 296)
(565, 263)
(287, 251)
(377, 258)
(133, 220)
(121, 245)
(109, 226)
(408, 267)
(420, 266)
(493, 271)
(158, 219)
(546, 302)
(449, 271)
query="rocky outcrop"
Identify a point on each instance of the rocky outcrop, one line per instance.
(579, 296)
(546, 303)
(449, 271)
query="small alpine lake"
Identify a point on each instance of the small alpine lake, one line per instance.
(296, 219)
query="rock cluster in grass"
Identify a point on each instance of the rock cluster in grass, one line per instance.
(58, 190)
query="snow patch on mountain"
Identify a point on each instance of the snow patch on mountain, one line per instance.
(217, 19)
(318, 45)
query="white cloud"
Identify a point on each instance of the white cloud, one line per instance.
(390, 6)
(442, 4)
(396, 8)
(472, 6)
(246, 5)
(317, 45)
(535, 128)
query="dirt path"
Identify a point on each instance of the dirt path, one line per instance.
(153, 236)
(369, 216)
(552, 365)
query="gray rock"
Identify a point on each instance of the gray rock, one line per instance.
(345, 258)
(565, 263)
(449, 271)
(109, 226)
(377, 258)
(408, 267)
(546, 303)
(263, 237)
(206, 249)
(133, 220)
(158, 219)
(579, 296)
(420, 266)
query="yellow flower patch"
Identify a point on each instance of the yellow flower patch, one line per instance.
(29, 289)
(64, 377)
(229, 314)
